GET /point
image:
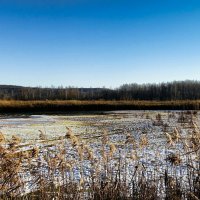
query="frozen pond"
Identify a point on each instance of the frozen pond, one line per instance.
(27, 127)
(154, 141)
(89, 128)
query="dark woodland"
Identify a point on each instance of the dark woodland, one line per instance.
(177, 90)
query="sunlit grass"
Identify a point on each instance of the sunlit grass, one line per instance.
(75, 105)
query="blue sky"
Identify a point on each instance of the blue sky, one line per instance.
(95, 43)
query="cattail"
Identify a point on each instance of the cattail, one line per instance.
(66, 166)
(53, 162)
(158, 117)
(2, 138)
(61, 138)
(103, 154)
(89, 152)
(194, 125)
(105, 137)
(134, 155)
(90, 155)
(176, 135)
(174, 159)
(80, 151)
(112, 149)
(2, 150)
(81, 182)
(21, 155)
(16, 139)
(14, 142)
(129, 139)
(25, 154)
(195, 141)
(42, 136)
(143, 141)
(186, 144)
(69, 133)
(72, 137)
(34, 152)
(75, 141)
(169, 139)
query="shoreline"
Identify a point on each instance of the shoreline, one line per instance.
(70, 106)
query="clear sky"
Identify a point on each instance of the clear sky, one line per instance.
(95, 43)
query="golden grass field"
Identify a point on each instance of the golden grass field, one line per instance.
(100, 105)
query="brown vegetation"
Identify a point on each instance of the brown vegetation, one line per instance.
(50, 171)
(101, 105)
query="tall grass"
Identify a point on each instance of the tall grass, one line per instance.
(69, 167)
(101, 105)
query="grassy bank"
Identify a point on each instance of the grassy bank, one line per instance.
(75, 105)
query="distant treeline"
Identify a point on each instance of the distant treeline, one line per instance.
(177, 90)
